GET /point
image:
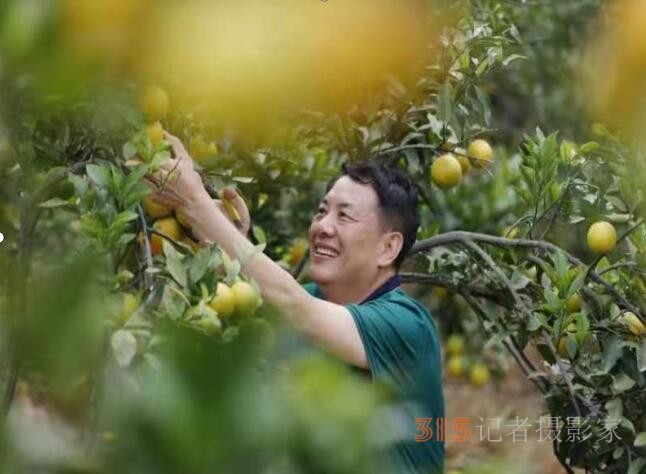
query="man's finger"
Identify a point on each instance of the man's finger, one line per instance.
(177, 146)
(231, 195)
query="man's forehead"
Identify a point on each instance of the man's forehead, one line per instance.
(349, 193)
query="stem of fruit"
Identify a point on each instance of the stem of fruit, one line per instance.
(148, 281)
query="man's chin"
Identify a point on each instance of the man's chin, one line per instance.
(320, 276)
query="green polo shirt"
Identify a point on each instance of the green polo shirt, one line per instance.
(403, 349)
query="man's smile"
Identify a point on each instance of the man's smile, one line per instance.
(325, 251)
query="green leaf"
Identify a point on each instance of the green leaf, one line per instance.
(622, 383)
(612, 352)
(91, 225)
(259, 234)
(615, 408)
(100, 175)
(243, 179)
(640, 440)
(175, 264)
(445, 103)
(201, 262)
(173, 302)
(54, 202)
(535, 321)
(129, 151)
(124, 347)
(641, 356)
(636, 465)
(124, 217)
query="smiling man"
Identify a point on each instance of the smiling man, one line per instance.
(354, 309)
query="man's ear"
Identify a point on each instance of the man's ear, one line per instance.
(392, 245)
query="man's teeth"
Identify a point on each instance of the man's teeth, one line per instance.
(327, 252)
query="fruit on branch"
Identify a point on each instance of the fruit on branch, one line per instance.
(446, 171)
(455, 344)
(195, 246)
(465, 162)
(224, 302)
(573, 304)
(481, 152)
(479, 374)
(602, 237)
(246, 298)
(633, 323)
(561, 347)
(169, 227)
(129, 304)
(155, 209)
(182, 219)
(200, 150)
(155, 132)
(154, 103)
(296, 252)
(455, 366)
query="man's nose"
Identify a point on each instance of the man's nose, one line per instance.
(325, 225)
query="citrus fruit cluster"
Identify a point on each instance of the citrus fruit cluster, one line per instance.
(458, 365)
(448, 169)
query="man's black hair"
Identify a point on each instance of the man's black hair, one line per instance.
(398, 198)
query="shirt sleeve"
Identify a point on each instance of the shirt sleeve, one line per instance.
(395, 338)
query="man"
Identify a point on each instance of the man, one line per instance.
(361, 232)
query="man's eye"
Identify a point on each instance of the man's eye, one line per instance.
(320, 211)
(344, 216)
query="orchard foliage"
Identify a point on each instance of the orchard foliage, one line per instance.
(116, 320)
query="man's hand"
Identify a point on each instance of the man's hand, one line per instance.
(177, 185)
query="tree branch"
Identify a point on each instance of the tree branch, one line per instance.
(438, 280)
(457, 237)
(489, 261)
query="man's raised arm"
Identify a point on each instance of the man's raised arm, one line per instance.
(327, 324)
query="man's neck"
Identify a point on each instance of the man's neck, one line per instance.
(342, 293)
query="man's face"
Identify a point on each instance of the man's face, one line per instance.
(346, 234)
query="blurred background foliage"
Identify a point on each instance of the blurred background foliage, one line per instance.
(167, 398)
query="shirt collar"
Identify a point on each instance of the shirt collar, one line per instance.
(390, 284)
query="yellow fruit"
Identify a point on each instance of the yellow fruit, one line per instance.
(440, 292)
(573, 304)
(509, 232)
(182, 219)
(446, 171)
(195, 246)
(482, 153)
(562, 348)
(296, 252)
(155, 132)
(154, 103)
(154, 209)
(129, 305)
(246, 298)
(602, 237)
(455, 344)
(479, 374)
(167, 226)
(199, 148)
(224, 301)
(465, 163)
(633, 323)
(562, 344)
(455, 366)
